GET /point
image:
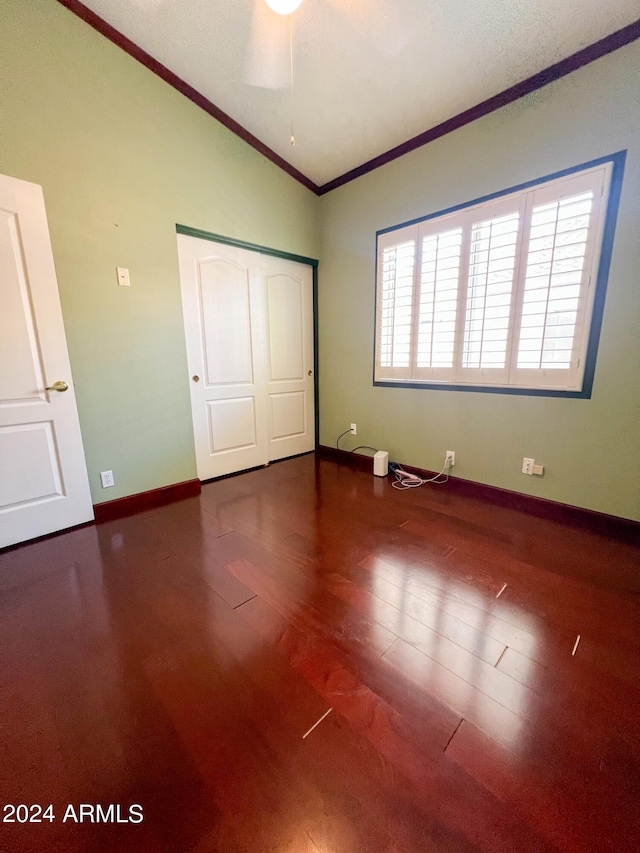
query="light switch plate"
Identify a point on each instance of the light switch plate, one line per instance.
(123, 277)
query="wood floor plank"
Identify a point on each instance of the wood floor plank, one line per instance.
(438, 596)
(429, 629)
(389, 734)
(328, 758)
(591, 693)
(322, 664)
(557, 814)
(495, 719)
(309, 614)
(177, 657)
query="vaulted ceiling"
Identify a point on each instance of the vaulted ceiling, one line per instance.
(368, 75)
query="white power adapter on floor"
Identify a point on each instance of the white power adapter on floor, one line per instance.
(381, 463)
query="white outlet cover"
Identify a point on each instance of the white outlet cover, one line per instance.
(106, 478)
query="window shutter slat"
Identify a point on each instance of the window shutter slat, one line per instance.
(439, 273)
(488, 305)
(396, 297)
(553, 282)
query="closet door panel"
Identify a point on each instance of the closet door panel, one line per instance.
(232, 424)
(286, 327)
(290, 383)
(288, 416)
(226, 322)
(223, 304)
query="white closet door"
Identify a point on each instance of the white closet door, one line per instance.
(249, 331)
(290, 382)
(223, 303)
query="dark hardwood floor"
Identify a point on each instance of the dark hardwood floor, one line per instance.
(179, 659)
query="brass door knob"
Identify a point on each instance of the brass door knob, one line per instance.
(309, 372)
(195, 377)
(58, 386)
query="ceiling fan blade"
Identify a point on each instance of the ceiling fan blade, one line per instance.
(267, 63)
(376, 21)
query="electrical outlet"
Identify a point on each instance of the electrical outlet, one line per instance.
(527, 465)
(106, 478)
(449, 458)
(354, 429)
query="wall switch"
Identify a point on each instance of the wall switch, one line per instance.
(107, 479)
(354, 429)
(123, 276)
(449, 458)
(527, 465)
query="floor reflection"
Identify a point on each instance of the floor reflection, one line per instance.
(461, 634)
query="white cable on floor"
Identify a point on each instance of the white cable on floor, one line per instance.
(405, 480)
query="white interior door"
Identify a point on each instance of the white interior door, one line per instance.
(43, 477)
(249, 333)
(223, 304)
(290, 367)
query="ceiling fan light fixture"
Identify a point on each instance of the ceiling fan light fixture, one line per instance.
(283, 7)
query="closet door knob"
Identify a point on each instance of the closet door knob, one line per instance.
(309, 372)
(195, 377)
(58, 386)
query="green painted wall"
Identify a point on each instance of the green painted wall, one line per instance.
(122, 158)
(590, 448)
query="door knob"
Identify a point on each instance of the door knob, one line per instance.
(195, 377)
(309, 372)
(58, 386)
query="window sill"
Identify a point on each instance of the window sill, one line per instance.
(583, 394)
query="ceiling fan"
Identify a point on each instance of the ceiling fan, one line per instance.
(274, 23)
(269, 57)
(269, 62)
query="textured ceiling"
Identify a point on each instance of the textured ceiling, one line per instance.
(368, 74)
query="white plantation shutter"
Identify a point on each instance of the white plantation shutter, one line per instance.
(488, 306)
(556, 299)
(497, 293)
(557, 247)
(437, 308)
(487, 311)
(396, 270)
(398, 264)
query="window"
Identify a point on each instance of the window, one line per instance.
(498, 294)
